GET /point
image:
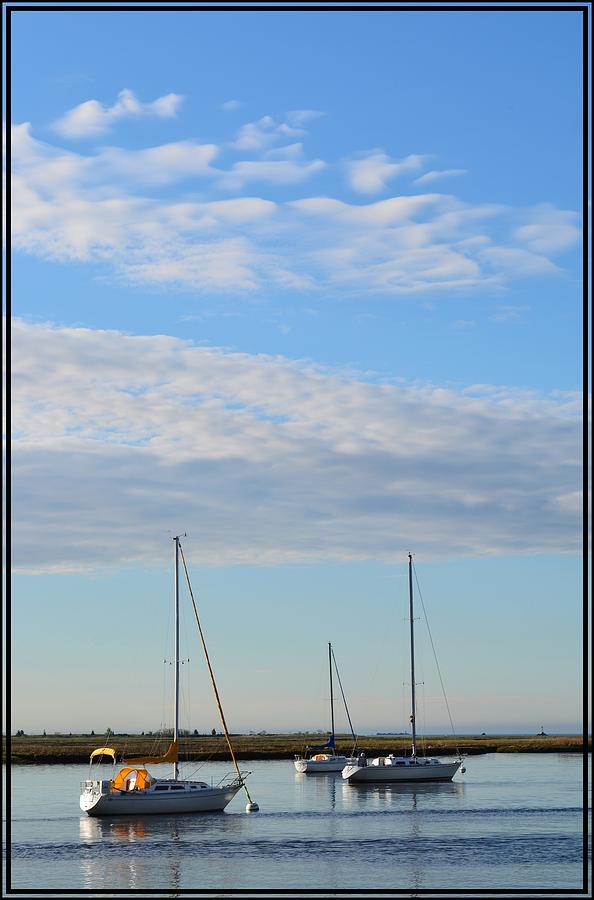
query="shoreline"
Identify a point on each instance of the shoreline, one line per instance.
(74, 749)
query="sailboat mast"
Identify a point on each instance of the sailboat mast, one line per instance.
(176, 656)
(331, 693)
(412, 657)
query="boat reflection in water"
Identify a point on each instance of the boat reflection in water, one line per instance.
(123, 830)
(413, 826)
(115, 864)
(128, 869)
(375, 794)
(324, 789)
(128, 829)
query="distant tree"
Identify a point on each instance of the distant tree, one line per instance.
(108, 732)
(20, 733)
(214, 732)
(92, 734)
(195, 732)
(44, 732)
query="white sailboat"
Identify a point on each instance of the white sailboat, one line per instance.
(134, 791)
(321, 761)
(411, 768)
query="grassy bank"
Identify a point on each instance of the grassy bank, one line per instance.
(76, 748)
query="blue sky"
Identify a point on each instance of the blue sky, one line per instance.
(306, 286)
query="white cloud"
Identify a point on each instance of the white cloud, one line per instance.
(272, 171)
(261, 134)
(220, 265)
(549, 230)
(571, 503)
(267, 460)
(383, 213)
(508, 314)
(515, 261)
(111, 206)
(157, 165)
(372, 174)
(266, 131)
(435, 175)
(289, 151)
(93, 118)
(299, 117)
(230, 105)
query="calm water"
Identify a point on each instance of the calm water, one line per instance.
(512, 821)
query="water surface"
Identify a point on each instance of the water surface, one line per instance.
(512, 821)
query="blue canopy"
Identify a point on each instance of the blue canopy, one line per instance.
(327, 746)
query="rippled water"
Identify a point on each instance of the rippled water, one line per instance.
(512, 821)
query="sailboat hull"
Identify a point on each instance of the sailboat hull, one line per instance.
(146, 803)
(330, 764)
(401, 772)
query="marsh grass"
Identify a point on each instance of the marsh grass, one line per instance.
(76, 748)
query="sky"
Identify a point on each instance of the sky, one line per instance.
(306, 287)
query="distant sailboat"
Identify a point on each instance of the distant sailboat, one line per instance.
(403, 768)
(325, 758)
(134, 791)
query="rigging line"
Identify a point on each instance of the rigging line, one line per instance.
(423, 740)
(164, 692)
(436, 660)
(404, 719)
(166, 685)
(214, 687)
(185, 680)
(344, 700)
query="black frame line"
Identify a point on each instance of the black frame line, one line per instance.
(294, 8)
(584, 8)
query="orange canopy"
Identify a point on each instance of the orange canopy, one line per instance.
(143, 779)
